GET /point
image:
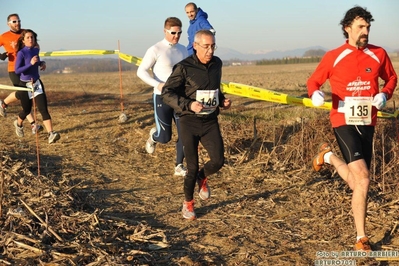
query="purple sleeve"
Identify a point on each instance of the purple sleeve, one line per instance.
(20, 66)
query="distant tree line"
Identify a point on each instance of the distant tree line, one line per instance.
(310, 56)
(78, 65)
(88, 65)
(289, 60)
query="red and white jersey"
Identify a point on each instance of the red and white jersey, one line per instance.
(353, 72)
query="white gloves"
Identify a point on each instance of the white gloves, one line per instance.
(318, 98)
(379, 100)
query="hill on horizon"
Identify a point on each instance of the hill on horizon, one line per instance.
(231, 54)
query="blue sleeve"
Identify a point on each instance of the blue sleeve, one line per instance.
(204, 24)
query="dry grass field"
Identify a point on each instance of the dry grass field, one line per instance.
(100, 199)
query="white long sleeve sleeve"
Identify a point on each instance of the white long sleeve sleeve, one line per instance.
(161, 58)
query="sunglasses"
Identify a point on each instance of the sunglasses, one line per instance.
(174, 32)
(15, 21)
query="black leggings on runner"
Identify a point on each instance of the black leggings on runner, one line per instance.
(195, 129)
(14, 78)
(26, 103)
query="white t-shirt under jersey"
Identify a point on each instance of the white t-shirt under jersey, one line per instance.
(161, 57)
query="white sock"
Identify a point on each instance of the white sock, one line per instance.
(327, 157)
(359, 237)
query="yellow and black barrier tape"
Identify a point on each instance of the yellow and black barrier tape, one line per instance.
(277, 97)
(227, 87)
(130, 58)
(125, 57)
(78, 52)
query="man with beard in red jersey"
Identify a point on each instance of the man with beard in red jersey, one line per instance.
(354, 70)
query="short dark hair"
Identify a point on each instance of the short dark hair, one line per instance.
(192, 4)
(12, 15)
(352, 14)
(172, 22)
(201, 33)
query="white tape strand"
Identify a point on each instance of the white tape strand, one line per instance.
(12, 88)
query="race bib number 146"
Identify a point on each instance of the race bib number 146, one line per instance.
(209, 99)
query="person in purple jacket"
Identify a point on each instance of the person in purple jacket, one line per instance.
(27, 66)
(198, 21)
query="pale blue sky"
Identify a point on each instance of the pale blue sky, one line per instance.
(246, 26)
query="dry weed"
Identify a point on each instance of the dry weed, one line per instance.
(102, 200)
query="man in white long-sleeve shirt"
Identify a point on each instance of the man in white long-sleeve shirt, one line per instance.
(161, 57)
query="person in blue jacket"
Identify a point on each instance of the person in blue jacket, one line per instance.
(198, 21)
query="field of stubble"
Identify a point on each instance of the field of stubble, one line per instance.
(111, 203)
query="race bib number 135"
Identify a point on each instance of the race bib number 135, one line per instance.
(358, 110)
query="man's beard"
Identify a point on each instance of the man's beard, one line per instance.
(360, 43)
(16, 29)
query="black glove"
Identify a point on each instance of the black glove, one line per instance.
(3, 56)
